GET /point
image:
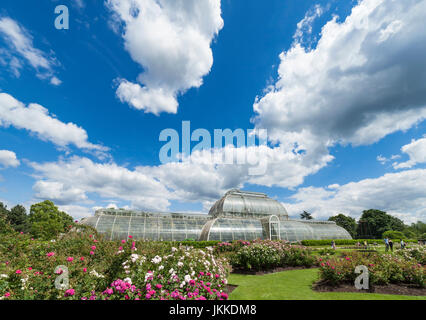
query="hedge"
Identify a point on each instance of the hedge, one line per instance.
(195, 244)
(344, 242)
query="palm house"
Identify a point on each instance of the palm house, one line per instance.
(238, 215)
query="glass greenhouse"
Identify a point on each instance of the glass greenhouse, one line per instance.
(238, 215)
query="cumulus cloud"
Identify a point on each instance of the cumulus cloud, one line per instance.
(364, 80)
(69, 181)
(76, 211)
(402, 194)
(22, 50)
(36, 119)
(8, 159)
(171, 40)
(58, 192)
(416, 150)
(204, 177)
(304, 27)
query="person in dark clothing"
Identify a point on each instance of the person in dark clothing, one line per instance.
(391, 245)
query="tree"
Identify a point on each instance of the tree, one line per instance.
(345, 222)
(415, 230)
(394, 235)
(3, 211)
(409, 234)
(17, 217)
(46, 221)
(306, 215)
(379, 222)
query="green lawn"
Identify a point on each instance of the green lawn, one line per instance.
(295, 285)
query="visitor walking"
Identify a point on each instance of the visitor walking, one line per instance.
(333, 245)
(387, 244)
(391, 244)
(365, 245)
(402, 243)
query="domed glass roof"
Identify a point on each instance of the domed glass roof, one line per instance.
(247, 204)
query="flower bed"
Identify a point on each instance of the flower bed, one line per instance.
(383, 269)
(106, 270)
(266, 255)
(417, 253)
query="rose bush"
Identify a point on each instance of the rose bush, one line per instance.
(268, 254)
(383, 269)
(102, 269)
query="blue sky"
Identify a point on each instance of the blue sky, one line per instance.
(337, 84)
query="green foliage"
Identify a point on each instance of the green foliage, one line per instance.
(338, 242)
(416, 230)
(18, 218)
(47, 222)
(346, 222)
(394, 235)
(409, 234)
(195, 244)
(267, 254)
(378, 222)
(3, 211)
(93, 263)
(296, 285)
(5, 227)
(417, 253)
(343, 242)
(382, 268)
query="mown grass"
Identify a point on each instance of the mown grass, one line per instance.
(295, 285)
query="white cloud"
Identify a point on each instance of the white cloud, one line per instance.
(364, 80)
(20, 44)
(8, 159)
(382, 159)
(55, 81)
(416, 150)
(77, 212)
(304, 27)
(58, 192)
(205, 179)
(200, 179)
(36, 119)
(402, 194)
(171, 40)
(112, 206)
(77, 177)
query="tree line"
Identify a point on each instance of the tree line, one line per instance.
(45, 220)
(376, 224)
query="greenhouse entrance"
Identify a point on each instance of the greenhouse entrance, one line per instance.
(274, 228)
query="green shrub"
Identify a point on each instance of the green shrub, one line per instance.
(27, 268)
(394, 235)
(342, 242)
(47, 221)
(257, 256)
(383, 269)
(267, 254)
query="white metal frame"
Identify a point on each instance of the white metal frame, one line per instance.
(277, 222)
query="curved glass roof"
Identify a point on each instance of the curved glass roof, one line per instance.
(224, 229)
(238, 215)
(247, 204)
(227, 229)
(152, 226)
(295, 230)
